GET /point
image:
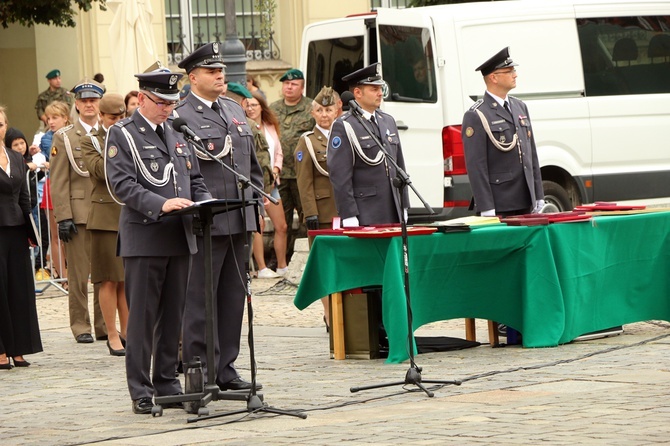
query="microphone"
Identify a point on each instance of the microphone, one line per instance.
(181, 126)
(348, 98)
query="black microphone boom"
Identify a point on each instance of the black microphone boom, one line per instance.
(348, 98)
(181, 126)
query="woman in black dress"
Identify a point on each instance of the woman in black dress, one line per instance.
(19, 329)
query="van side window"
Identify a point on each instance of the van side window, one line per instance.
(625, 55)
(328, 60)
(408, 64)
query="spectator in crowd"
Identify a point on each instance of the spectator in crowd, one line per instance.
(295, 118)
(103, 224)
(19, 328)
(55, 92)
(222, 126)
(254, 87)
(71, 194)
(58, 116)
(316, 192)
(361, 176)
(258, 110)
(132, 102)
(16, 140)
(156, 256)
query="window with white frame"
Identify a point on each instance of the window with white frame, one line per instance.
(193, 23)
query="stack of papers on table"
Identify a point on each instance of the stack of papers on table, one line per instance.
(471, 221)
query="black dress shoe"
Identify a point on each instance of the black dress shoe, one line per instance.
(143, 405)
(84, 338)
(19, 363)
(239, 384)
(119, 352)
(7, 366)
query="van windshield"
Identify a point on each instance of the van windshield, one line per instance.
(408, 64)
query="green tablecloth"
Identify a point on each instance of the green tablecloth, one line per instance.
(551, 283)
(613, 271)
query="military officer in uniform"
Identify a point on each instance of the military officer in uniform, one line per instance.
(71, 196)
(294, 113)
(54, 93)
(359, 171)
(316, 192)
(103, 224)
(153, 171)
(499, 146)
(222, 126)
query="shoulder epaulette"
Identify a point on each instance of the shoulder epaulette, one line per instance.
(307, 133)
(123, 122)
(64, 129)
(226, 98)
(476, 105)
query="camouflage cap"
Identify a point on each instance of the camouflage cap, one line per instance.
(325, 97)
(112, 104)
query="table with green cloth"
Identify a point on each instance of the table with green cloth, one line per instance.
(551, 283)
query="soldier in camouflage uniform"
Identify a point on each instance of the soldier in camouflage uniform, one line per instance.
(239, 93)
(54, 93)
(295, 117)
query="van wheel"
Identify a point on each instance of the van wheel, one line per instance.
(556, 195)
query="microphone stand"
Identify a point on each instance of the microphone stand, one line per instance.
(400, 182)
(254, 401)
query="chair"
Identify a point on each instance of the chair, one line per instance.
(625, 50)
(659, 46)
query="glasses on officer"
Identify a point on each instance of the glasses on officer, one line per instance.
(161, 104)
(512, 71)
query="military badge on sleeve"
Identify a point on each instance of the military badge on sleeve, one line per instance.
(54, 151)
(299, 156)
(469, 132)
(337, 142)
(112, 152)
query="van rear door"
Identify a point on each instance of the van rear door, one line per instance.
(406, 43)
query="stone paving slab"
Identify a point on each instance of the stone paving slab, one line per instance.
(610, 391)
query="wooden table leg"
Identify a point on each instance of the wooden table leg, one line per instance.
(337, 328)
(493, 334)
(470, 330)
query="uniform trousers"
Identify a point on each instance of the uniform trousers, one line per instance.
(155, 290)
(78, 270)
(229, 278)
(290, 197)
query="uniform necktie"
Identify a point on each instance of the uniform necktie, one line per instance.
(216, 107)
(375, 127)
(506, 105)
(160, 133)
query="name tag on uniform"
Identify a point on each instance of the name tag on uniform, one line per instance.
(148, 147)
(497, 122)
(364, 137)
(391, 134)
(205, 126)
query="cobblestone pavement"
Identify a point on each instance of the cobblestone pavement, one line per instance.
(608, 391)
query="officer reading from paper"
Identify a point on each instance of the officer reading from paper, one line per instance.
(359, 171)
(154, 172)
(499, 146)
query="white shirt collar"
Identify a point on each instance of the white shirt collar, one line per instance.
(325, 132)
(88, 127)
(203, 100)
(498, 99)
(151, 124)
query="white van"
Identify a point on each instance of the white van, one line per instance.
(595, 75)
